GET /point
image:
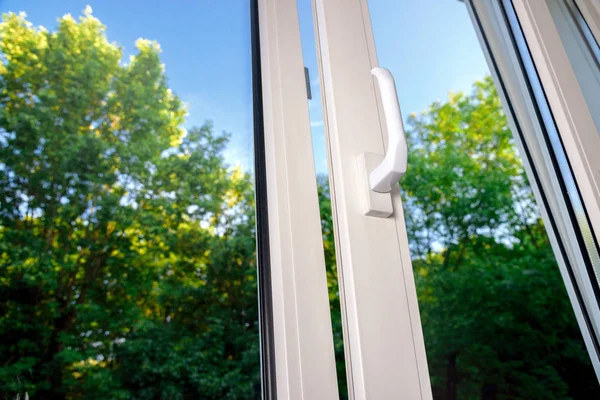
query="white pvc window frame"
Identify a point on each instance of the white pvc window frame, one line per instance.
(303, 353)
(529, 82)
(383, 338)
(579, 134)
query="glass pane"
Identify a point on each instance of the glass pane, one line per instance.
(496, 317)
(127, 236)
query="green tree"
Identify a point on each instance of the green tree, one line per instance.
(496, 317)
(126, 243)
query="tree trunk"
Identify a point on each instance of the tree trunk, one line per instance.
(451, 377)
(54, 377)
(489, 391)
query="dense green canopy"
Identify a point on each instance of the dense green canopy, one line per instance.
(126, 244)
(495, 313)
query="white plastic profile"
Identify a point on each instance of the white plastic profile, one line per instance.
(393, 166)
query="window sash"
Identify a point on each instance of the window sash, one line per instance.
(302, 345)
(383, 338)
(531, 114)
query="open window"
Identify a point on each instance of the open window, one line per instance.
(145, 255)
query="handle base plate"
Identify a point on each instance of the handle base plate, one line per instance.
(374, 204)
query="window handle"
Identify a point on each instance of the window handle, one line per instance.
(378, 174)
(393, 166)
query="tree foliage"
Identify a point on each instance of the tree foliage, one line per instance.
(126, 244)
(495, 313)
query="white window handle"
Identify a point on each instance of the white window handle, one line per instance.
(377, 173)
(393, 166)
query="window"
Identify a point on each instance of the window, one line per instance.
(378, 293)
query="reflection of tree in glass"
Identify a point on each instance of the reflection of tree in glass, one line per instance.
(126, 244)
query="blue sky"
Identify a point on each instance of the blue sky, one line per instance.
(429, 45)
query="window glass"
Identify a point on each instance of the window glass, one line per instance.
(127, 236)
